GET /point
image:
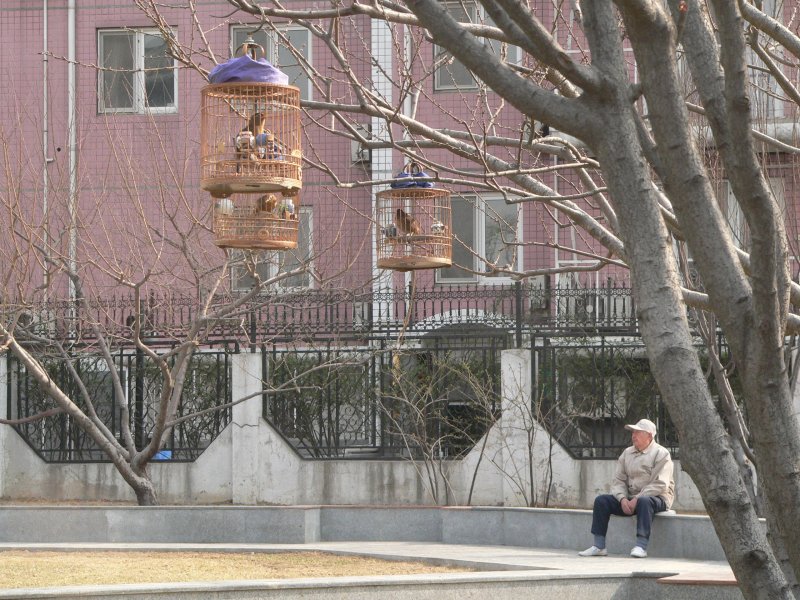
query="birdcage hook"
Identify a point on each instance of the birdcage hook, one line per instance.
(249, 46)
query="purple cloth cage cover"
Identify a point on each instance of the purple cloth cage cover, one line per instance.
(246, 69)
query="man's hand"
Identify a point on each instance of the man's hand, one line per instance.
(628, 506)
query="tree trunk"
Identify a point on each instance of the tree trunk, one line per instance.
(145, 493)
(705, 449)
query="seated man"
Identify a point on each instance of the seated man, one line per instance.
(643, 485)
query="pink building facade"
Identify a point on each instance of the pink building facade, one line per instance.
(102, 137)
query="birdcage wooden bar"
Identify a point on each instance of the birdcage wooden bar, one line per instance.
(250, 140)
(414, 229)
(253, 222)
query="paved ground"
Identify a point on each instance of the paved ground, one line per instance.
(490, 558)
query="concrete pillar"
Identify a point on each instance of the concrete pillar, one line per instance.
(3, 415)
(246, 419)
(516, 426)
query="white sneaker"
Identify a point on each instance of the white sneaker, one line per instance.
(594, 551)
(638, 552)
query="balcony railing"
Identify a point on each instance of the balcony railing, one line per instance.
(518, 307)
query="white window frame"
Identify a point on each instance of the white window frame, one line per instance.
(271, 50)
(139, 91)
(477, 15)
(270, 259)
(479, 203)
(735, 217)
(768, 99)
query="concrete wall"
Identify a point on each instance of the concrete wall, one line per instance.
(249, 463)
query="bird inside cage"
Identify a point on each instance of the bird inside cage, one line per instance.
(245, 143)
(268, 147)
(246, 139)
(267, 204)
(224, 206)
(406, 223)
(286, 209)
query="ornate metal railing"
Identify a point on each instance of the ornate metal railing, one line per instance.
(362, 314)
(57, 438)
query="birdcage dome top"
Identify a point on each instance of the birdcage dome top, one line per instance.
(246, 69)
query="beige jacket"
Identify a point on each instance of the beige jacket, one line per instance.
(645, 473)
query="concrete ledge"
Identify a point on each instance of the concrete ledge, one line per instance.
(698, 579)
(679, 536)
(476, 586)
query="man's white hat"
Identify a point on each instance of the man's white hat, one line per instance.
(643, 425)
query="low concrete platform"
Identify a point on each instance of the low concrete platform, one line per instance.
(505, 572)
(679, 536)
(517, 552)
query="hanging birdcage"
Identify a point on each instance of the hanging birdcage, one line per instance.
(415, 224)
(250, 140)
(253, 222)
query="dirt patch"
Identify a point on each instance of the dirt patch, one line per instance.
(26, 569)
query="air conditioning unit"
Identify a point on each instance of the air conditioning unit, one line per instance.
(36, 322)
(539, 292)
(584, 308)
(362, 317)
(359, 153)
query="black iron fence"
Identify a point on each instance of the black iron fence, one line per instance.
(586, 388)
(430, 397)
(58, 438)
(403, 373)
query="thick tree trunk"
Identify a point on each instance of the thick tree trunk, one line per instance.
(139, 480)
(145, 493)
(705, 449)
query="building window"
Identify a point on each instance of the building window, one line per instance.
(450, 74)
(735, 217)
(767, 99)
(289, 58)
(482, 228)
(269, 263)
(137, 73)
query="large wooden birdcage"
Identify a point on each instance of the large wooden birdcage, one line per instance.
(250, 139)
(415, 229)
(253, 222)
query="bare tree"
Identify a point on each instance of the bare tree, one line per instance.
(77, 293)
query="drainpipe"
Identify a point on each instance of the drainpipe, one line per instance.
(381, 165)
(72, 143)
(45, 148)
(407, 276)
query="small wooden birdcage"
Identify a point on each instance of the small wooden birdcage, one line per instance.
(415, 228)
(253, 222)
(250, 139)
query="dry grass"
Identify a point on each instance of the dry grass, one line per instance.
(21, 569)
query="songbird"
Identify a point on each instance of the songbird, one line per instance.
(406, 223)
(256, 123)
(438, 228)
(245, 145)
(245, 141)
(267, 203)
